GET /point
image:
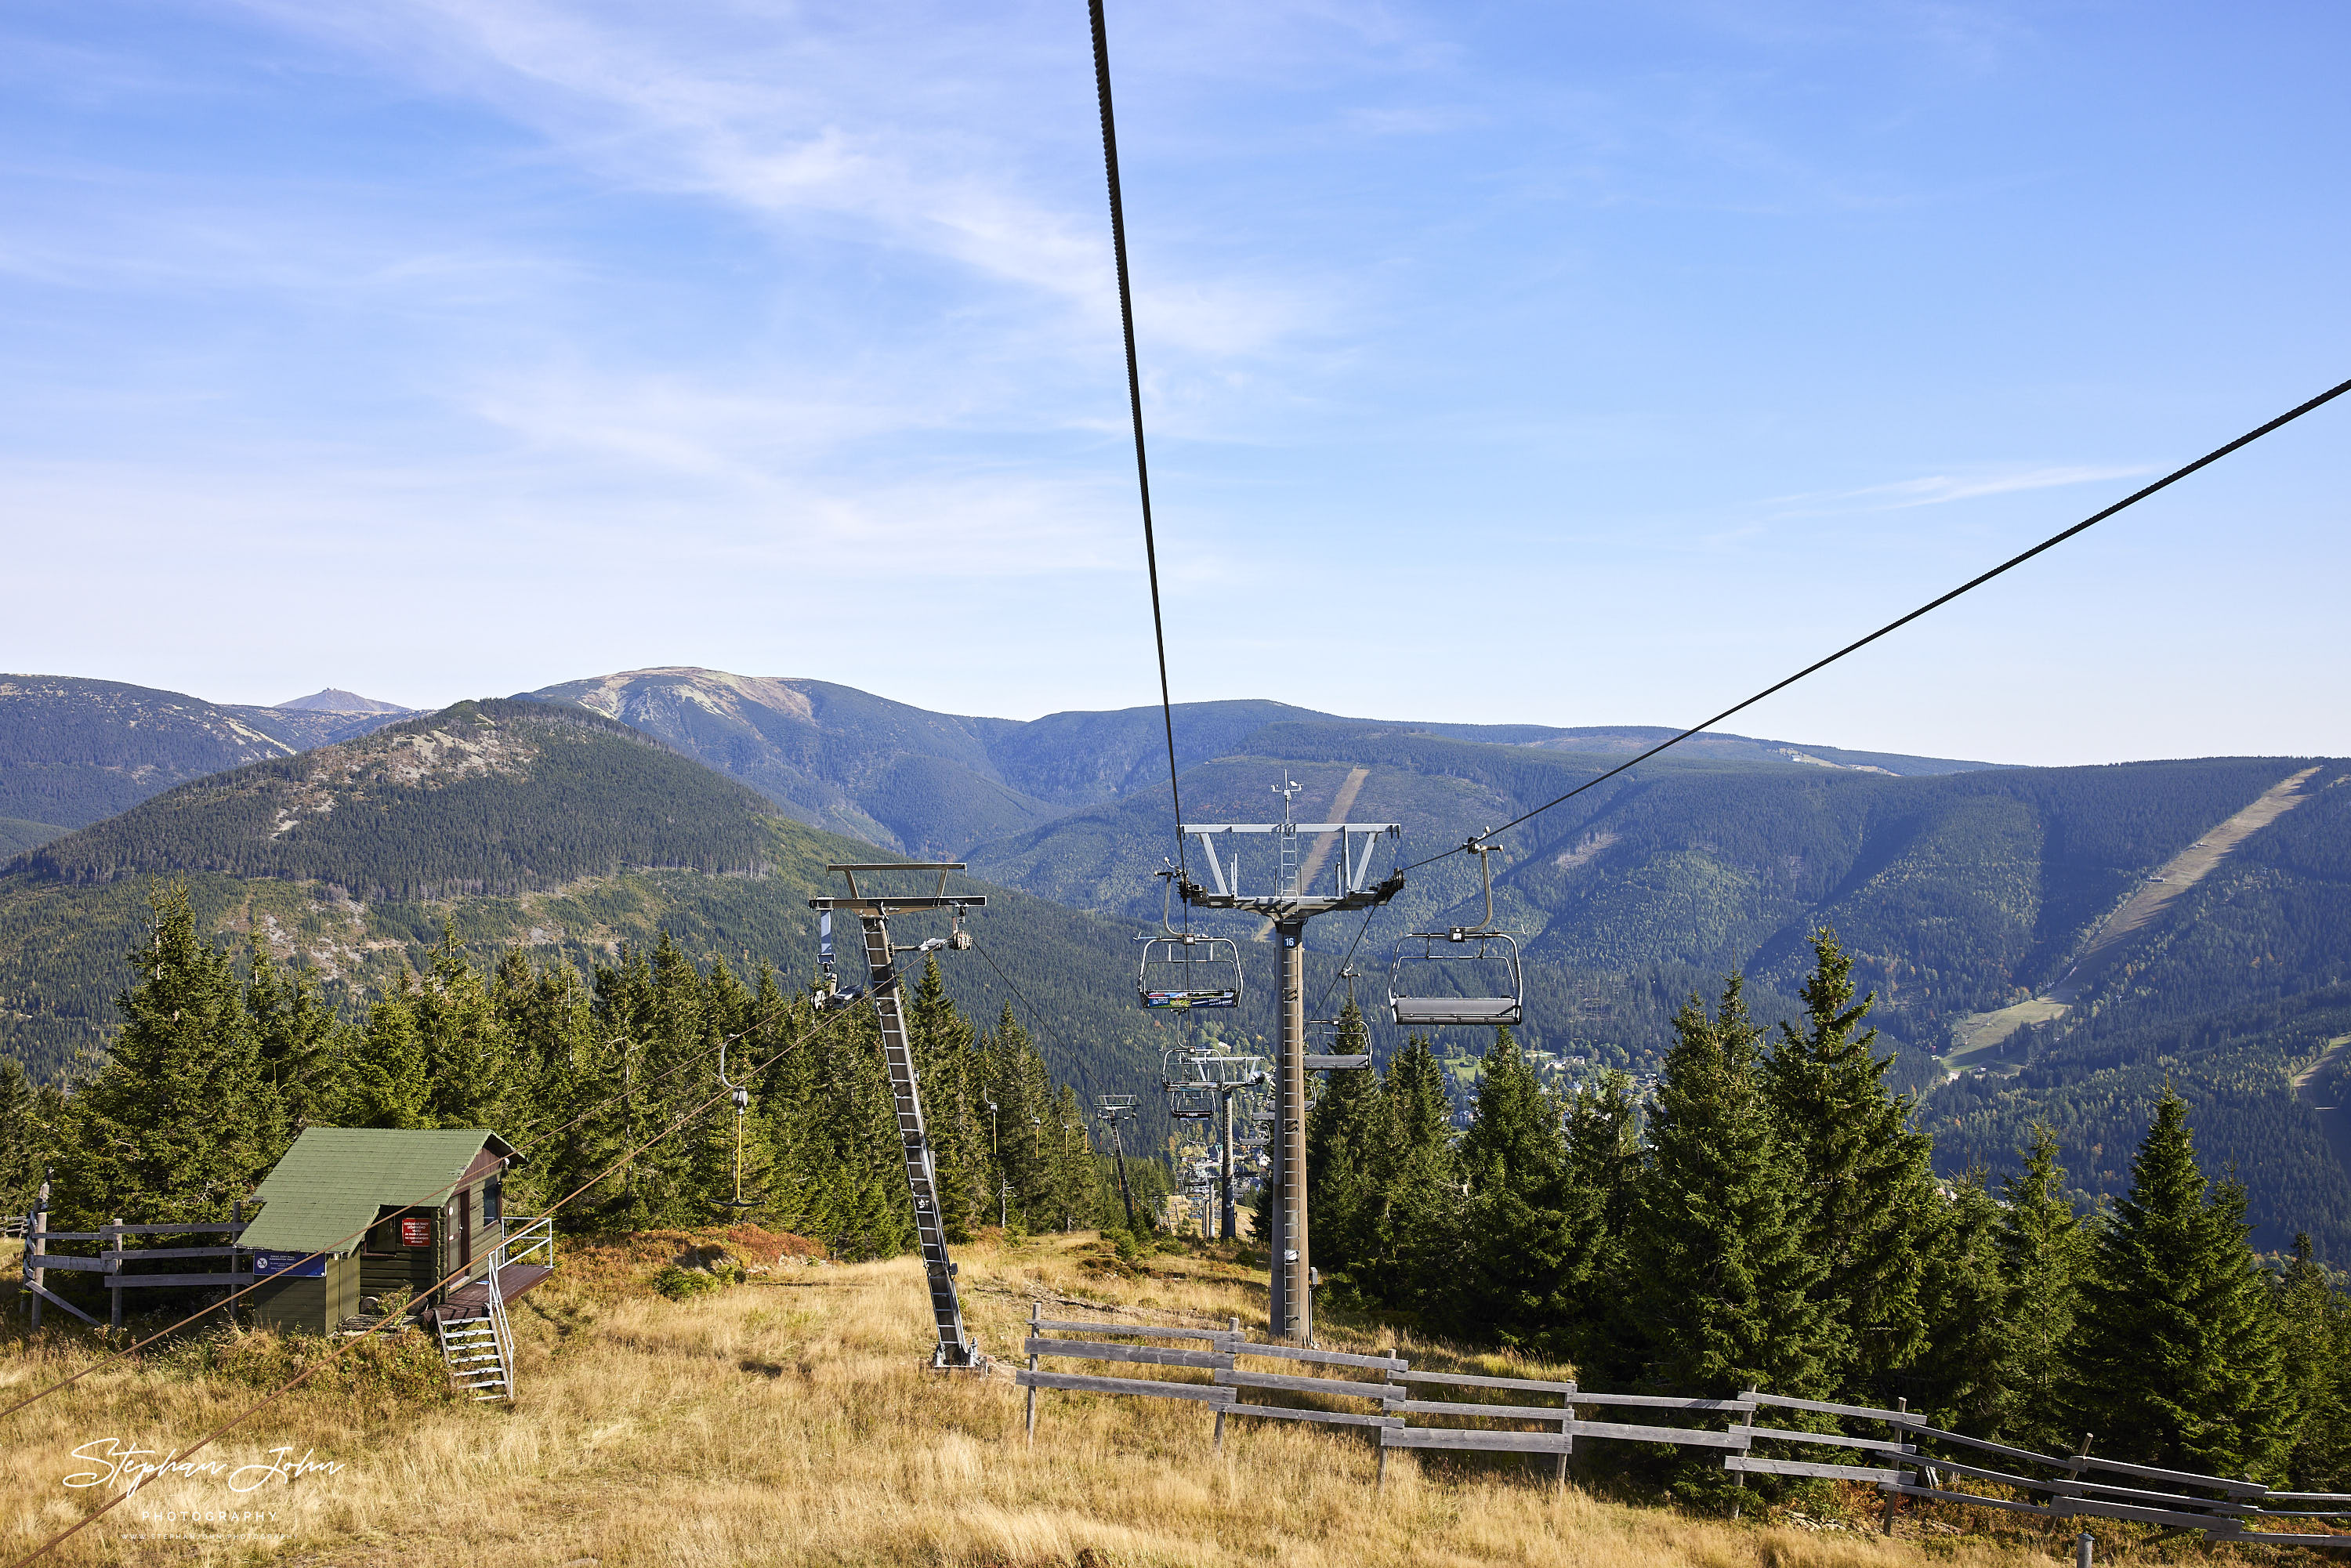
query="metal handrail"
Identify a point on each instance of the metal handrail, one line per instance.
(536, 1238)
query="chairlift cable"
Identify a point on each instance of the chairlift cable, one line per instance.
(2050, 543)
(823, 1024)
(1134, 405)
(1340, 973)
(677, 1125)
(1092, 1092)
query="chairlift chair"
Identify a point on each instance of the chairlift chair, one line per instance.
(1192, 1095)
(1494, 952)
(1185, 971)
(1182, 970)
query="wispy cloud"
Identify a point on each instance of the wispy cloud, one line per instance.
(1936, 489)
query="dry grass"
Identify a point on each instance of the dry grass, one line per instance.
(790, 1420)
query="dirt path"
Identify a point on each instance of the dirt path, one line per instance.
(2177, 874)
(1312, 867)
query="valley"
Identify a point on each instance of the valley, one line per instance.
(2003, 918)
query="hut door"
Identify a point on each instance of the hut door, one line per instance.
(465, 1230)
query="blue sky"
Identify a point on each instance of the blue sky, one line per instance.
(1562, 364)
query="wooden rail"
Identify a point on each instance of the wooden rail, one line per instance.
(1907, 1462)
(113, 1255)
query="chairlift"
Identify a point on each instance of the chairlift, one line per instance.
(1494, 955)
(1181, 970)
(1192, 1096)
(1185, 971)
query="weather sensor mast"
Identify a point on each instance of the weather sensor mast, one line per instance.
(885, 988)
(1290, 902)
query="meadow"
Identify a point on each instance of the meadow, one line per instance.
(789, 1418)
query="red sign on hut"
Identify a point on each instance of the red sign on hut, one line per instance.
(417, 1232)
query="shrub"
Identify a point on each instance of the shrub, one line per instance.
(684, 1284)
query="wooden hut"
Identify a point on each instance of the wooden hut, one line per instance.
(353, 1216)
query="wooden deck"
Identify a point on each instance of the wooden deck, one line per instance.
(473, 1299)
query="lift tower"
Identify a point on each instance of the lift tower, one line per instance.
(1289, 906)
(956, 1351)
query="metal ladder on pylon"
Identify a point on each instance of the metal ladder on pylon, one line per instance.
(480, 1350)
(954, 1346)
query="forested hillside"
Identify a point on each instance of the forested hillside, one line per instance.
(74, 751)
(936, 784)
(1957, 895)
(507, 825)
(2246, 982)
(492, 797)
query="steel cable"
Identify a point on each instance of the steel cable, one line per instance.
(2016, 560)
(234, 1296)
(1134, 409)
(678, 1125)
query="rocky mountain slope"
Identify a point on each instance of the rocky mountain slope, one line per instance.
(73, 750)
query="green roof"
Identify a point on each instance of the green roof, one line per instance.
(327, 1188)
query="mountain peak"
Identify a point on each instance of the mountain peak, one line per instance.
(334, 699)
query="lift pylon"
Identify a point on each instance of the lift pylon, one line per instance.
(885, 986)
(1289, 906)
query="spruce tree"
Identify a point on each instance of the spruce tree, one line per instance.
(469, 1054)
(385, 1080)
(1868, 1186)
(561, 1066)
(1962, 1379)
(2315, 1320)
(300, 1039)
(181, 1121)
(1401, 1227)
(2175, 1359)
(1023, 1092)
(23, 1146)
(1603, 1161)
(1344, 1130)
(1724, 1283)
(2044, 1252)
(1535, 1236)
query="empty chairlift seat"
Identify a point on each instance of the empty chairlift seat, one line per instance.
(1485, 985)
(1483, 962)
(1185, 971)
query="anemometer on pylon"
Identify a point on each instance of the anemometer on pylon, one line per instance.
(886, 988)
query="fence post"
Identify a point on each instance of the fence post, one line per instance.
(1566, 1430)
(38, 1229)
(1740, 1479)
(1231, 1347)
(236, 1218)
(114, 1275)
(1894, 1499)
(1035, 1312)
(2086, 1549)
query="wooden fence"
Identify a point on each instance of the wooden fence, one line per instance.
(1909, 1461)
(114, 1254)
